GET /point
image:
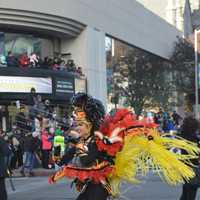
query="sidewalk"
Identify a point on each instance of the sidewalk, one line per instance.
(37, 172)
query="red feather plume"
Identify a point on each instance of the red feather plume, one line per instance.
(125, 119)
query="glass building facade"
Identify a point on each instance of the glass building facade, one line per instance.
(19, 44)
(119, 57)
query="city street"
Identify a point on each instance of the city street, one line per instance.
(38, 189)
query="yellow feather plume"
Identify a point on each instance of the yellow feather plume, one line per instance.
(139, 155)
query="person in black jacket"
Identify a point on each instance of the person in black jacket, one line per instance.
(3, 168)
(31, 145)
(32, 100)
(11, 60)
(189, 132)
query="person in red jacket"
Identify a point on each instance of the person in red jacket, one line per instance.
(46, 148)
(24, 61)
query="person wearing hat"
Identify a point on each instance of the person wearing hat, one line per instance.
(85, 159)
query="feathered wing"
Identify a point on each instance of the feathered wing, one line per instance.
(126, 165)
(141, 154)
(143, 149)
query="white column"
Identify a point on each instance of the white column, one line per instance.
(88, 51)
(95, 67)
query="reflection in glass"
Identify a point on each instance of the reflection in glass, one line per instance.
(136, 78)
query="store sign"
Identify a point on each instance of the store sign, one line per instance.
(64, 86)
(22, 84)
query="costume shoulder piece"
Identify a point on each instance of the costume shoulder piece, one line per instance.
(110, 137)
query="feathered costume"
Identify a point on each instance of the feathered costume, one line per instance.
(118, 148)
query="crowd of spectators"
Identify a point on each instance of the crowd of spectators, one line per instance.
(37, 135)
(168, 122)
(34, 61)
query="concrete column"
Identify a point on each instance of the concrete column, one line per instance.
(88, 52)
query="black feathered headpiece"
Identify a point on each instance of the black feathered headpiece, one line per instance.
(90, 108)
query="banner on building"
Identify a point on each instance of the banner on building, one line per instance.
(22, 84)
(64, 86)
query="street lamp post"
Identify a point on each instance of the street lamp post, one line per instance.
(196, 32)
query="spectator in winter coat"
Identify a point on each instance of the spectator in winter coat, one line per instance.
(31, 145)
(24, 61)
(58, 146)
(176, 118)
(3, 168)
(46, 148)
(34, 60)
(59, 140)
(17, 157)
(33, 97)
(189, 132)
(11, 60)
(32, 110)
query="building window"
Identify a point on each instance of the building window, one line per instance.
(24, 43)
(132, 73)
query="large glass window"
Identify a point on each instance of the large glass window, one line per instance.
(136, 78)
(23, 43)
(20, 43)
